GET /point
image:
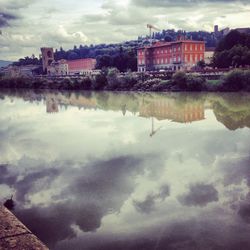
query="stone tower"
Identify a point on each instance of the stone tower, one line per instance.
(47, 58)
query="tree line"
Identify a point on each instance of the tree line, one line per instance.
(233, 51)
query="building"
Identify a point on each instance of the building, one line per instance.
(19, 71)
(170, 109)
(209, 54)
(216, 29)
(64, 67)
(179, 55)
(81, 66)
(47, 58)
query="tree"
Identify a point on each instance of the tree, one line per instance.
(201, 64)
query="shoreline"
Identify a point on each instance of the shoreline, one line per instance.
(15, 235)
(234, 81)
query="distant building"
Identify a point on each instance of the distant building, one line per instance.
(178, 55)
(64, 67)
(47, 58)
(209, 54)
(17, 71)
(51, 104)
(216, 29)
(81, 66)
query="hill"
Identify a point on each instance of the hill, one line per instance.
(4, 63)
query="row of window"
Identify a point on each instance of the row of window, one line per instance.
(191, 47)
(188, 58)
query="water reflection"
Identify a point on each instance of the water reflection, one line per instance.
(85, 173)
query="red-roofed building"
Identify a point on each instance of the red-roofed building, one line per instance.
(72, 67)
(81, 66)
(181, 54)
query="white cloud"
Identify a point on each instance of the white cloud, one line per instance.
(33, 24)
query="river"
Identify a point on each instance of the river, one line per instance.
(129, 171)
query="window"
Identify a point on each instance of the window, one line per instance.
(191, 48)
(195, 46)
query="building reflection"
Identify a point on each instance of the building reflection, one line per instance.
(51, 105)
(231, 109)
(170, 109)
(54, 101)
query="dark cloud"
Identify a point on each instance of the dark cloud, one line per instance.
(88, 193)
(244, 212)
(5, 18)
(6, 177)
(187, 234)
(199, 195)
(149, 203)
(145, 206)
(235, 170)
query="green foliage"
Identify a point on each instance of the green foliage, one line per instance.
(99, 82)
(28, 61)
(201, 64)
(112, 78)
(179, 79)
(233, 38)
(235, 80)
(233, 51)
(196, 83)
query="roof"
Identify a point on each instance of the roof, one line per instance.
(162, 44)
(210, 49)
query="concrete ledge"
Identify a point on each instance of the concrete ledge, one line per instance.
(14, 235)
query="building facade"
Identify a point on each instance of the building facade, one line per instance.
(81, 66)
(178, 55)
(72, 67)
(47, 58)
(209, 54)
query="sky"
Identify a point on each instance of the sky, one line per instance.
(27, 25)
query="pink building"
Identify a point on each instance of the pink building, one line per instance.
(72, 67)
(81, 66)
(182, 54)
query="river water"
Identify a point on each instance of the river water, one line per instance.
(129, 171)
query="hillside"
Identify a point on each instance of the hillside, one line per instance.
(4, 63)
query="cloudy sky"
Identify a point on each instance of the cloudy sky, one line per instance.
(96, 176)
(27, 25)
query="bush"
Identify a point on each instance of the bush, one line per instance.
(179, 80)
(247, 80)
(112, 78)
(86, 83)
(196, 83)
(99, 82)
(233, 81)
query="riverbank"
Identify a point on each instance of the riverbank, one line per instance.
(14, 235)
(235, 80)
